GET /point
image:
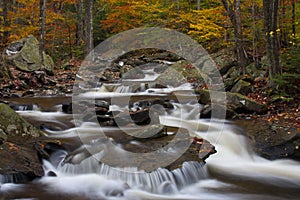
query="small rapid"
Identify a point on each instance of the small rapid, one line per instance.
(234, 172)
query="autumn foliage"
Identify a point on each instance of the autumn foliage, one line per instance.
(208, 22)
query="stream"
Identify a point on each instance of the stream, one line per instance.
(234, 172)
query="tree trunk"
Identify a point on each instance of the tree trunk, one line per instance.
(293, 21)
(240, 51)
(254, 35)
(6, 6)
(89, 27)
(234, 14)
(198, 4)
(283, 26)
(42, 21)
(271, 37)
(79, 27)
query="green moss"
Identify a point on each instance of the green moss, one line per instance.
(13, 124)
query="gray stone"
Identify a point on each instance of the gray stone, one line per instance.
(218, 111)
(224, 59)
(242, 87)
(234, 101)
(128, 72)
(24, 53)
(272, 140)
(19, 145)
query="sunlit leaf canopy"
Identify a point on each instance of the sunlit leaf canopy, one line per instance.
(209, 25)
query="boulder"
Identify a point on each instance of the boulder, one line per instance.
(217, 111)
(231, 77)
(272, 140)
(173, 76)
(24, 54)
(19, 146)
(242, 104)
(224, 59)
(234, 101)
(128, 72)
(242, 87)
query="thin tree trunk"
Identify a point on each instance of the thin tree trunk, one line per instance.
(42, 21)
(234, 14)
(283, 25)
(293, 21)
(89, 27)
(241, 59)
(79, 28)
(254, 35)
(198, 4)
(272, 46)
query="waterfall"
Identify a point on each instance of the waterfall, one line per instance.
(191, 172)
(123, 89)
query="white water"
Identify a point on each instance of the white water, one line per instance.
(234, 172)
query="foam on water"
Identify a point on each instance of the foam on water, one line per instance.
(276, 180)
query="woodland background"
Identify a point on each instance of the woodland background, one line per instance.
(255, 29)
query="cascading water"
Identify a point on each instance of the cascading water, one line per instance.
(234, 172)
(190, 173)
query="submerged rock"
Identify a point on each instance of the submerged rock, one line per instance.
(19, 146)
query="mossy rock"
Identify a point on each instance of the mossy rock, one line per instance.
(19, 146)
(242, 87)
(27, 57)
(15, 127)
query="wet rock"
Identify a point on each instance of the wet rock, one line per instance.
(52, 174)
(139, 105)
(24, 54)
(28, 93)
(139, 117)
(234, 101)
(128, 72)
(20, 107)
(67, 108)
(272, 140)
(19, 149)
(142, 112)
(101, 107)
(242, 87)
(218, 111)
(101, 103)
(154, 131)
(171, 77)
